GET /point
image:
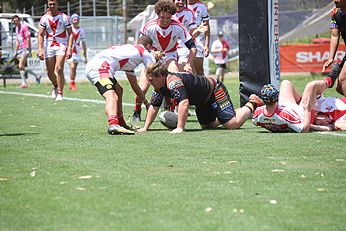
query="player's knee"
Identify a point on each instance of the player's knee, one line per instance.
(219, 71)
(59, 70)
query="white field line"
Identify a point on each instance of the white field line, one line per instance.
(333, 133)
(65, 98)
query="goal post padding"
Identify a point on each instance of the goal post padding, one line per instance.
(258, 46)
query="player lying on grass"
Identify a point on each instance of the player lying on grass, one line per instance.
(211, 98)
(100, 72)
(289, 111)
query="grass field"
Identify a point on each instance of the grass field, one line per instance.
(59, 170)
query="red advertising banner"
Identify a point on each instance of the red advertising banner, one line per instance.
(306, 57)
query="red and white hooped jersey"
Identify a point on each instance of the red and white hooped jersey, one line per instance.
(166, 39)
(334, 107)
(284, 119)
(121, 58)
(200, 11)
(78, 37)
(55, 29)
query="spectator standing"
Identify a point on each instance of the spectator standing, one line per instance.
(23, 49)
(219, 49)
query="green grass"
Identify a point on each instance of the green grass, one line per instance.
(197, 180)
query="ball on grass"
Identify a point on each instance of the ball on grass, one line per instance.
(169, 119)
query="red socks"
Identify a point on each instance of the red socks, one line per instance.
(116, 120)
(138, 104)
(329, 81)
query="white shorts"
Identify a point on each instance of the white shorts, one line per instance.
(55, 50)
(183, 55)
(22, 53)
(170, 56)
(199, 41)
(94, 74)
(75, 58)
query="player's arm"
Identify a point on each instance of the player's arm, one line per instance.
(207, 39)
(41, 33)
(183, 111)
(333, 47)
(151, 115)
(321, 128)
(201, 29)
(135, 87)
(17, 47)
(85, 51)
(340, 125)
(156, 101)
(311, 90)
(28, 40)
(190, 44)
(70, 42)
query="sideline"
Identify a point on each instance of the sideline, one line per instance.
(65, 98)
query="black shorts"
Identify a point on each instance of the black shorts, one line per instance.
(222, 65)
(218, 106)
(105, 85)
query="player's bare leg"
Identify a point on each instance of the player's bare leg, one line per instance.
(50, 65)
(59, 73)
(73, 68)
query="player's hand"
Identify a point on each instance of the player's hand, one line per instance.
(202, 28)
(28, 52)
(142, 130)
(41, 54)
(188, 68)
(85, 60)
(159, 55)
(206, 51)
(69, 53)
(177, 131)
(327, 64)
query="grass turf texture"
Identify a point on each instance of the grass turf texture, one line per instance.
(247, 179)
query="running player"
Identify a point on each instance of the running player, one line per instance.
(100, 72)
(54, 45)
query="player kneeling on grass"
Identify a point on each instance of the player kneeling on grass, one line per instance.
(210, 96)
(100, 72)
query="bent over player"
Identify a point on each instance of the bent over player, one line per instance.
(100, 72)
(165, 33)
(210, 96)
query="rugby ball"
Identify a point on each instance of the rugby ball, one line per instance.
(169, 119)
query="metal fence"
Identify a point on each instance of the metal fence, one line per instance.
(101, 32)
